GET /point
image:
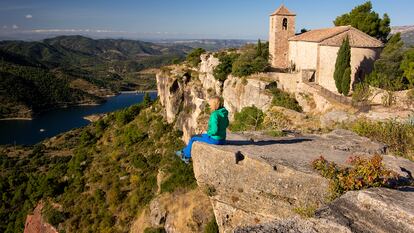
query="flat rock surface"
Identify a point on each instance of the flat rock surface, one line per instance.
(299, 152)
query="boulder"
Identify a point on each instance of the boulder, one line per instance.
(334, 117)
(373, 210)
(158, 213)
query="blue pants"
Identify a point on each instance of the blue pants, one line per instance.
(201, 138)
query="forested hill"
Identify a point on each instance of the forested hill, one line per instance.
(75, 70)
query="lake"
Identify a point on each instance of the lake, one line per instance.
(54, 122)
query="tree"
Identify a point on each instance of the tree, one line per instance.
(388, 73)
(346, 81)
(193, 58)
(365, 19)
(146, 101)
(303, 30)
(407, 65)
(224, 68)
(259, 48)
(343, 61)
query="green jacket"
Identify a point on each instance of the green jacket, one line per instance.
(218, 123)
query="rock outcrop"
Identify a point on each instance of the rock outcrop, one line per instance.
(184, 93)
(36, 224)
(176, 213)
(261, 180)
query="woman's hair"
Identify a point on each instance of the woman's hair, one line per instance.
(215, 103)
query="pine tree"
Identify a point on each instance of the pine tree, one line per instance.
(365, 19)
(343, 61)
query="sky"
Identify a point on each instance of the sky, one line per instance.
(175, 19)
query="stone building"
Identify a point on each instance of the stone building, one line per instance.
(316, 50)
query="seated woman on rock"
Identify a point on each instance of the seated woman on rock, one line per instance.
(216, 133)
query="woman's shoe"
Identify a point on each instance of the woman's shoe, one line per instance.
(179, 153)
(185, 160)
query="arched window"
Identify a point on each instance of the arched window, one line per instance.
(285, 24)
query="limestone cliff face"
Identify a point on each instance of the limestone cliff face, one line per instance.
(184, 93)
(239, 93)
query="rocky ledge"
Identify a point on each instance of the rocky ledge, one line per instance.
(257, 183)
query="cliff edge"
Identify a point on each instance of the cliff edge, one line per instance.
(259, 182)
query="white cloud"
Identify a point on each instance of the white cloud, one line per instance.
(4, 26)
(15, 26)
(29, 16)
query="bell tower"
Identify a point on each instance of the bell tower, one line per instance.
(282, 27)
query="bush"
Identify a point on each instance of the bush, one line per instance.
(399, 137)
(247, 64)
(253, 59)
(388, 73)
(276, 121)
(181, 176)
(132, 134)
(52, 215)
(225, 67)
(361, 93)
(284, 99)
(212, 226)
(193, 58)
(249, 118)
(363, 173)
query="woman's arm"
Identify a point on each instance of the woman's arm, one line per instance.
(213, 125)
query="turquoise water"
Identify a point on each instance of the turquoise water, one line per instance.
(61, 120)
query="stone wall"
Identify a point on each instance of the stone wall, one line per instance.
(362, 61)
(303, 54)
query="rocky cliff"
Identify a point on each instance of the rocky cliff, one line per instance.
(184, 93)
(258, 183)
(261, 184)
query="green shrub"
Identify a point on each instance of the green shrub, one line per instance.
(52, 215)
(225, 67)
(249, 118)
(284, 99)
(388, 70)
(181, 176)
(361, 174)
(399, 137)
(247, 63)
(193, 58)
(133, 134)
(253, 59)
(212, 226)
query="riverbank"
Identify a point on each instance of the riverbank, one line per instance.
(16, 119)
(56, 121)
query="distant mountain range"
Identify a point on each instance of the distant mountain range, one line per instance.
(68, 70)
(407, 33)
(208, 44)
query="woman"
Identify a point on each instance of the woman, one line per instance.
(216, 133)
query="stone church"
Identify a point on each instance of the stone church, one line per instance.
(316, 50)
